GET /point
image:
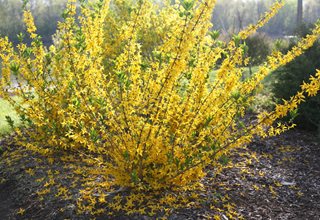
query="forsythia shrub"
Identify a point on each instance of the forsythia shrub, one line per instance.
(129, 87)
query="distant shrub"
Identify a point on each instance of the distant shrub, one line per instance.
(46, 13)
(258, 48)
(288, 80)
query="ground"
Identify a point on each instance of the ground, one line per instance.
(275, 178)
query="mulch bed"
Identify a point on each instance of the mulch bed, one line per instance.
(275, 178)
(284, 183)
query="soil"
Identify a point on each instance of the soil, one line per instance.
(275, 178)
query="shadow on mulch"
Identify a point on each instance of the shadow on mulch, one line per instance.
(7, 204)
(284, 183)
(275, 178)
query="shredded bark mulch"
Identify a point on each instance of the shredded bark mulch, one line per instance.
(275, 178)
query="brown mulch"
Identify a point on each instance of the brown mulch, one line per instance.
(276, 178)
(290, 167)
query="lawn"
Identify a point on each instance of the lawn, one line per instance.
(6, 110)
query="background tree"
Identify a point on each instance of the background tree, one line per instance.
(300, 12)
(289, 77)
(46, 13)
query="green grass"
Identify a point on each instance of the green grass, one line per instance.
(7, 110)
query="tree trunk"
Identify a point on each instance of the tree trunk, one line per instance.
(240, 20)
(299, 12)
(259, 8)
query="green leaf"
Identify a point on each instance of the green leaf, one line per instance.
(169, 157)
(20, 37)
(121, 76)
(10, 121)
(24, 4)
(76, 102)
(224, 160)
(241, 124)
(126, 155)
(14, 67)
(245, 48)
(188, 161)
(134, 177)
(177, 162)
(187, 5)
(237, 40)
(208, 120)
(214, 34)
(236, 95)
(94, 135)
(293, 114)
(213, 147)
(172, 138)
(206, 148)
(27, 52)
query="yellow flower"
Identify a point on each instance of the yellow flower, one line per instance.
(21, 211)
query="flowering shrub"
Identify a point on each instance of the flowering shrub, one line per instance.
(133, 89)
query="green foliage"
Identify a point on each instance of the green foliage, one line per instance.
(289, 78)
(284, 22)
(259, 48)
(10, 121)
(7, 111)
(47, 14)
